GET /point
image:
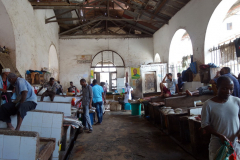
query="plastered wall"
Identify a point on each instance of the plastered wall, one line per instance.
(134, 52)
(32, 37)
(194, 18)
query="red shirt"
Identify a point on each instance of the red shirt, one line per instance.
(5, 85)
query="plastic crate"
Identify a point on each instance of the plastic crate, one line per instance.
(127, 106)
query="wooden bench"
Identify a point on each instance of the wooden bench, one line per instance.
(23, 145)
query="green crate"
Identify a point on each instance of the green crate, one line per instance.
(136, 109)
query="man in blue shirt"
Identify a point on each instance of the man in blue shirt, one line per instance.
(226, 71)
(98, 93)
(26, 100)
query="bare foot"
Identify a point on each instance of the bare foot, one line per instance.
(188, 93)
(9, 126)
(17, 129)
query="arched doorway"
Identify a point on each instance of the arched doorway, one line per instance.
(7, 38)
(222, 30)
(180, 52)
(53, 62)
(106, 65)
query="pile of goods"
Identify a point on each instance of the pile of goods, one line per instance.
(169, 110)
(4, 50)
(74, 122)
(157, 103)
(115, 106)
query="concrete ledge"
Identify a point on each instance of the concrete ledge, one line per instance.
(25, 145)
(48, 124)
(185, 101)
(57, 98)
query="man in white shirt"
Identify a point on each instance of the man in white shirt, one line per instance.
(172, 86)
(128, 93)
(220, 117)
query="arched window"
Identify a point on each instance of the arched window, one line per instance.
(53, 62)
(157, 58)
(106, 64)
(180, 49)
(222, 30)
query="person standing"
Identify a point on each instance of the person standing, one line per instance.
(106, 85)
(172, 85)
(226, 71)
(128, 93)
(52, 87)
(98, 93)
(87, 96)
(180, 82)
(104, 95)
(220, 117)
(26, 100)
(4, 85)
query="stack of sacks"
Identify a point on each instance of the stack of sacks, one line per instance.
(115, 106)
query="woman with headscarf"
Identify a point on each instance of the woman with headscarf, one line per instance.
(104, 97)
(128, 93)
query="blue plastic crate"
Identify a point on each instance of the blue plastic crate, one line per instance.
(91, 118)
(127, 106)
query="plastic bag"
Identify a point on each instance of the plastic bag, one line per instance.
(225, 152)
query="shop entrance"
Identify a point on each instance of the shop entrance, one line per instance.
(110, 79)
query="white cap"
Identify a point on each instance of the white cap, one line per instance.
(6, 70)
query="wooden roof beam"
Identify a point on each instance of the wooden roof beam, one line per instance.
(111, 36)
(161, 5)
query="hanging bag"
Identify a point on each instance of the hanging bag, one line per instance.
(225, 152)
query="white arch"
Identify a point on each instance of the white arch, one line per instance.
(179, 47)
(53, 62)
(157, 58)
(213, 30)
(7, 37)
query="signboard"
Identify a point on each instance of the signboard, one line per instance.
(84, 59)
(92, 74)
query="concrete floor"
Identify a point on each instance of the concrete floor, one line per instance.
(125, 137)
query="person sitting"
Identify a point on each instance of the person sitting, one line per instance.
(180, 82)
(205, 90)
(226, 71)
(172, 86)
(59, 90)
(4, 85)
(72, 88)
(220, 117)
(52, 87)
(26, 100)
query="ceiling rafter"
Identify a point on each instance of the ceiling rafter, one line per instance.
(160, 6)
(111, 17)
(104, 18)
(75, 28)
(132, 6)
